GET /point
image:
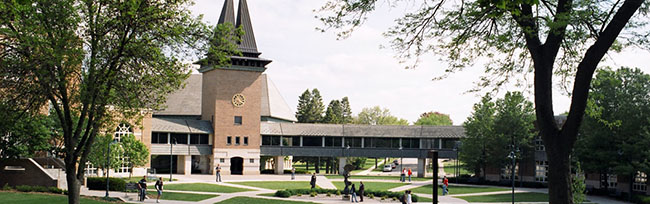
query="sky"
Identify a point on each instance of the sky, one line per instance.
(357, 67)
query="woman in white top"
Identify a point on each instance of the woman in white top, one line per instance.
(408, 197)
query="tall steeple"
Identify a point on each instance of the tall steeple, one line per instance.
(227, 13)
(247, 44)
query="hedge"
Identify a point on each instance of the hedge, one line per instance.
(389, 194)
(286, 171)
(26, 188)
(99, 183)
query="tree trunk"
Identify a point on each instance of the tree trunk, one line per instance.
(317, 166)
(73, 183)
(307, 165)
(558, 175)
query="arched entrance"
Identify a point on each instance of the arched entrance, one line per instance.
(236, 165)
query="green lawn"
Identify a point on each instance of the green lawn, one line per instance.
(201, 187)
(424, 200)
(377, 186)
(455, 190)
(396, 178)
(135, 179)
(180, 196)
(38, 198)
(239, 200)
(450, 168)
(519, 197)
(276, 185)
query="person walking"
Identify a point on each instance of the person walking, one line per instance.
(402, 176)
(159, 188)
(409, 199)
(313, 181)
(218, 169)
(445, 185)
(362, 188)
(353, 199)
(142, 186)
(410, 173)
(293, 173)
(403, 198)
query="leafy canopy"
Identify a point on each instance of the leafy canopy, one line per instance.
(433, 118)
(378, 116)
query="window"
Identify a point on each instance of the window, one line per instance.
(430, 143)
(245, 140)
(252, 161)
(506, 172)
(221, 160)
(271, 140)
(180, 138)
(539, 144)
(352, 142)
(374, 142)
(448, 143)
(238, 120)
(90, 169)
(411, 143)
(312, 141)
(229, 140)
(640, 182)
(122, 130)
(159, 138)
(199, 139)
(541, 171)
(236, 140)
(333, 141)
(125, 167)
(612, 180)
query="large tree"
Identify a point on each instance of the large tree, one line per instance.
(24, 135)
(90, 59)
(617, 124)
(433, 118)
(135, 152)
(310, 107)
(378, 116)
(568, 38)
(478, 127)
(334, 113)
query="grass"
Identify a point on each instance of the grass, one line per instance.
(180, 196)
(267, 194)
(239, 200)
(396, 178)
(519, 197)
(455, 190)
(201, 187)
(450, 167)
(275, 185)
(38, 198)
(424, 200)
(135, 179)
(377, 186)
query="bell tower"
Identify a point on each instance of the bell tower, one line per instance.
(231, 99)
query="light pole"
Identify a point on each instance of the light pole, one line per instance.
(513, 156)
(401, 164)
(455, 149)
(171, 161)
(108, 165)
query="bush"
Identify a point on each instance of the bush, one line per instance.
(328, 194)
(298, 171)
(55, 190)
(99, 183)
(26, 188)
(313, 194)
(338, 193)
(6, 187)
(282, 194)
(641, 199)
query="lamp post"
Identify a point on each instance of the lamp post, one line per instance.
(513, 156)
(171, 160)
(108, 165)
(401, 164)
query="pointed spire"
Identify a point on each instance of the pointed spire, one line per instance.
(227, 13)
(247, 44)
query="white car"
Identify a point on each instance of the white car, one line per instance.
(388, 168)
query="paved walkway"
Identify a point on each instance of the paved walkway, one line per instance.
(367, 171)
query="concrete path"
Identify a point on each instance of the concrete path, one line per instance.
(323, 182)
(367, 171)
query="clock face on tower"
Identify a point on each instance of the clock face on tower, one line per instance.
(238, 100)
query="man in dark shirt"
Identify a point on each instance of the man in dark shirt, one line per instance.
(313, 181)
(142, 184)
(361, 189)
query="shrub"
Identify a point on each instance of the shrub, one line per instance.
(6, 187)
(282, 194)
(313, 194)
(371, 196)
(328, 194)
(338, 193)
(394, 198)
(24, 188)
(55, 190)
(641, 199)
(299, 195)
(384, 197)
(99, 183)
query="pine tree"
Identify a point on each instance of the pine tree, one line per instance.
(316, 107)
(303, 107)
(346, 110)
(334, 113)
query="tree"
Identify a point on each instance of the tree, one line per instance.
(86, 57)
(135, 151)
(616, 123)
(378, 116)
(23, 135)
(347, 110)
(99, 154)
(492, 125)
(303, 112)
(478, 127)
(433, 118)
(334, 113)
(564, 37)
(316, 106)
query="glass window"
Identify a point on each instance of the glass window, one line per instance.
(429, 143)
(205, 139)
(245, 140)
(221, 160)
(640, 182)
(158, 138)
(333, 141)
(295, 141)
(238, 120)
(252, 161)
(229, 140)
(312, 141)
(374, 142)
(352, 142)
(506, 172)
(236, 140)
(199, 138)
(271, 140)
(180, 138)
(122, 130)
(411, 143)
(448, 143)
(541, 171)
(90, 170)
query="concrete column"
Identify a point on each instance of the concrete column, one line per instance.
(342, 162)
(279, 164)
(422, 167)
(188, 164)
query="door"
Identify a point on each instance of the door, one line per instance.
(236, 165)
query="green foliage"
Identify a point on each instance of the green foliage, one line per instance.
(6, 187)
(492, 126)
(43, 189)
(378, 116)
(578, 185)
(310, 107)
(135, 150)
(99, 183)
(24, 134)
(99, 151)
(347, 110)
(334, 113)
(617, 123)
(282, 194)
(433, 118)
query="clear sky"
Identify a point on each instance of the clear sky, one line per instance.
(304, 58)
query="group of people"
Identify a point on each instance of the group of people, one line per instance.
(404, 173)
(407, 198)
(354, 192)
(142, 188)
